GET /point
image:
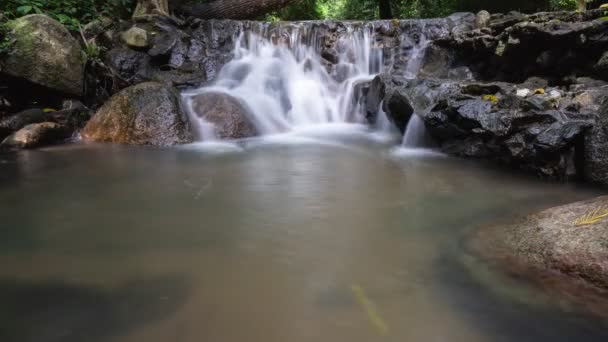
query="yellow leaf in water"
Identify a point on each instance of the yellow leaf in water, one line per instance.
(49, 110)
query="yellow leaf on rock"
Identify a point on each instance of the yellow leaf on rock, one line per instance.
(490, 98)
(539, 91)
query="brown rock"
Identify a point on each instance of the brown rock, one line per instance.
(145, 114)
(35, 135)
(226, 113)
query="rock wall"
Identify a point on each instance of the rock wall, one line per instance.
(527, 91)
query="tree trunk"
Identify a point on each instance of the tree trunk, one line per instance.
(232, 9)
(385, 9)
(581, 5)
(151, 7)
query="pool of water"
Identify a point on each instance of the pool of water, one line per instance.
(315, 236)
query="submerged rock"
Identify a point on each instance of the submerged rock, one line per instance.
(45, 53)
(227, 114)
(35, 135)
(146, 114)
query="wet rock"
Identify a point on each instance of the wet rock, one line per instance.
(45, 53)
(388, 91)
(146, 114)
(538, 133)
(227, 114)
(136, 37)
(602, 65)
(35, 135)
(17, 121)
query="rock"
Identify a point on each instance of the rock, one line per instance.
(145, 114)
(596, 141)
(228, 115)
(523, 92)
(45, 53)
(482, 19)
(602, 65)
(570, 239)
(136, 37)
(96, 27)
(35, 135)
(387, 90)
(17, 121)
(537, 133)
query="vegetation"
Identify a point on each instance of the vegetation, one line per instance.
(370, 9)
(74, 12)
(68, 12)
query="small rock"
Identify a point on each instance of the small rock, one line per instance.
(136, 37)
(482, 19)
(35, 135)
(523, 92)
(555, 94)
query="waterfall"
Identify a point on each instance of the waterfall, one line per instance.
(415, 133)
(294, 75)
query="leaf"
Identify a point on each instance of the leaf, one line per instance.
(24, 9)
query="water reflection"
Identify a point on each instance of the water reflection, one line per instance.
(268, 245)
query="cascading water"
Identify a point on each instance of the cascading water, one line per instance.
(285, 79)
(281, 78)
(415, 134)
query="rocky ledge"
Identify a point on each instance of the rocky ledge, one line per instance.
(528, 91)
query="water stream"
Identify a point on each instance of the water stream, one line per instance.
(311, 237)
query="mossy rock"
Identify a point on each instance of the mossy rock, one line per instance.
(44, 52)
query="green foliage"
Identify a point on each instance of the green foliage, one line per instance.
(5, 41)
(68, 12)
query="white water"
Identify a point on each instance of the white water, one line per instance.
(415, 134)
(281, 78)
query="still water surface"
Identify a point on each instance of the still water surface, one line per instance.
(306, 238)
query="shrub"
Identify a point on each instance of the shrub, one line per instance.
(68, 12)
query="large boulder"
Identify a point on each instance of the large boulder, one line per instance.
(145, 114)
(563, 248)
(228, 115)
(45, 53)
(35, 135)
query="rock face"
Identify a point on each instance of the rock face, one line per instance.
(513, 47)
(35, 135)
(46, 54)
(542, 133)
(146, 114)
(571, 239)
(228, 116)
